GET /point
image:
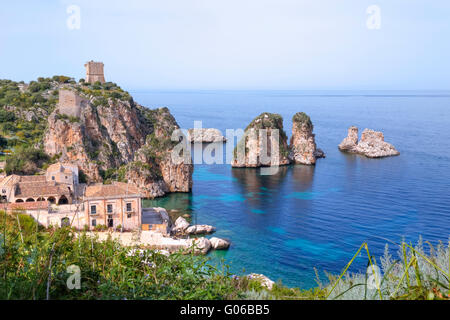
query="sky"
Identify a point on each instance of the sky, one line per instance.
(232, 44)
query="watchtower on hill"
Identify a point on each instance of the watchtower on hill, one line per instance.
(94, 72)
(70, 103)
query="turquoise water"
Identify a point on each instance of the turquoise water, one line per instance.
(286, 224)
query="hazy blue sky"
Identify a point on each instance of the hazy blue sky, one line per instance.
(232, 44)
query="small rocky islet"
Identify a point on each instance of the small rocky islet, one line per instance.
(371, 145)
(302, 149)
(205, 135)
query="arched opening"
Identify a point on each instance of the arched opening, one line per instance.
(19, 200)
(65, 222)
(51, 199)
(40, 199)
(63, 200)
(30, 200)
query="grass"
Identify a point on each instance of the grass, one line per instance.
(36, 264)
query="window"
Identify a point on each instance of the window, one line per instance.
(93, 210)
(129, 215)
(129, 207)
(53, 177)
(66, 177)
(94, 222)
(109, 208)
(4, 190)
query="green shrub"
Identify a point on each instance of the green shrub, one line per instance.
(26, 161)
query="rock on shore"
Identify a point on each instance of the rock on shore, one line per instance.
(180, 225)
(200, 245)
(260, 146)
(205, 135)
(200, 229)
(303, 145)
(371, 145)
(264, 280)
(219, 244)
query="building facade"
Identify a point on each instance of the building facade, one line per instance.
(117, 205)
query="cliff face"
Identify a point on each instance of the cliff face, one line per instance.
(303, 146)
(115, 138)
(371, 145)
(260, 145)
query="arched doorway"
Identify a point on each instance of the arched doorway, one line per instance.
(65, 222)
(51, 199)
(19, 200)
(30, 200)
(63, 200)
(40, 199)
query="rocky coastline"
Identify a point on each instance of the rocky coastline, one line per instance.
(116, 138)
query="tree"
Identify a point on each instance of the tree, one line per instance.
(26, 161)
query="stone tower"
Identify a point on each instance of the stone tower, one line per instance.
(70, 103)
(94, 72)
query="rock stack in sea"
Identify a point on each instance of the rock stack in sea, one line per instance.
(371, 145)
(264, 143)
(303, 149)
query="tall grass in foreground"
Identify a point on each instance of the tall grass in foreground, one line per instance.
(35, 264)
(416, 273)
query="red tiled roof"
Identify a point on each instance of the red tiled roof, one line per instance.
(25, 190)
(111, 190)
(32, 179)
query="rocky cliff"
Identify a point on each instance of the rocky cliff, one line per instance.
(303, 149)
(371, 145)
(264, 143)
(116, 138)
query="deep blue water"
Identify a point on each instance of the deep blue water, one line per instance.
(304, 217)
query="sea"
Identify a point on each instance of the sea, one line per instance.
(305, 221)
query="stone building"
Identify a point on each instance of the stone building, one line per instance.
(59, 186)
(94, 72)
(114, 205)
(70, 103)
(56, 198)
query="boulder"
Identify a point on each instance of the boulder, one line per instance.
(180, 225)
(265, 281)
(200, 229)
(219, 244)
(371, 145)
(200, 245)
